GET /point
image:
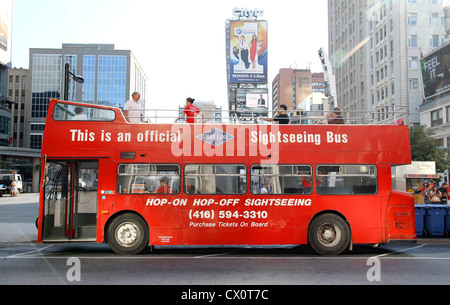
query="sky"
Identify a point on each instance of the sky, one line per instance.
(179, 44)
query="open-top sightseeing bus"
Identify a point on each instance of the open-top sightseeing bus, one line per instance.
(138, 185)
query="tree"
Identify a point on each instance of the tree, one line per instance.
(425, 148)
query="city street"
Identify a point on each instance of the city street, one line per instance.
(23, 261)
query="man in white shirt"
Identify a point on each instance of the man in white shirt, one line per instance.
(133, 109)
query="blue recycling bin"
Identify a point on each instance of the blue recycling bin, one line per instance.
(420, 219)
(435, 220)
(447, 222)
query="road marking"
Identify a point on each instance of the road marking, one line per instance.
(402, 251)
(29, 252)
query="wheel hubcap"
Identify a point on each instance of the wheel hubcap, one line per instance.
(329, 235)
(127, 234)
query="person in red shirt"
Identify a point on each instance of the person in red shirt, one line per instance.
(190, 111)
(165, 188)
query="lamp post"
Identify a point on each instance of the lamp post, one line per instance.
(76, 78)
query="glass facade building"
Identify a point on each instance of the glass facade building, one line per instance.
(110, 77)
(112, 80)
(46, 82)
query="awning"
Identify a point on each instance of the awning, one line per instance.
(422, 176)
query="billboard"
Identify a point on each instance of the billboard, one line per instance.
(436, 72)
(6, 17)
(248, 52)
(257, 98)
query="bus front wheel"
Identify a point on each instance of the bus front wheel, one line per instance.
(329, 234)
(128, 234)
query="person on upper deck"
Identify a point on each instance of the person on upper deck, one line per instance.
(133, 109)
(335, 117)
(282, 117)
(190, 111)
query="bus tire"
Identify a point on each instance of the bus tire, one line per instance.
(329, 234)
(128, 234)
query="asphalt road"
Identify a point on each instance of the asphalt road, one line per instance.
(23, 261)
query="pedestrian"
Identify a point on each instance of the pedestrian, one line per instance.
(425, 191)
(13, 188)
(190, 112)
(435, 195)
(444, 190)
(133, 109)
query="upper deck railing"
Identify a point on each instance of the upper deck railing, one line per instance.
(377, 116)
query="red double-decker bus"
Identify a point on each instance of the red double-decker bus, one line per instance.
(139, 185)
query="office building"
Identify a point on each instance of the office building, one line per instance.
(17, 94)
(375, 49)
(291, 86)
(110, 77)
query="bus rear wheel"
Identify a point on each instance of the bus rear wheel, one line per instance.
(329, 234)
(128, 234)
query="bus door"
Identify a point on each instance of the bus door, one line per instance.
(70, 194)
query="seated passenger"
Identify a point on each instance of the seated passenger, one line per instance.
(79, 116)
(165, 188)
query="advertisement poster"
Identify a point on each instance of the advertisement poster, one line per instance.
(248, 52)
(257, 98)
(436, 72)
(6, 15)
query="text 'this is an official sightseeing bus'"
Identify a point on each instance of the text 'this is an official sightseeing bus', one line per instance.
(129, 185)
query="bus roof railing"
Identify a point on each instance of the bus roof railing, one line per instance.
(377, 116)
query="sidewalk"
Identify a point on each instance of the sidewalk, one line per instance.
(437, 240)
(21, 199)
(17, 218)
(18, 233)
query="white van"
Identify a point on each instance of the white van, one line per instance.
(7, 179)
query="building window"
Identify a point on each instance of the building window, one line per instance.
(412, 19)
(413, 84)
(437, 118)
(434, 41)
(37, 126)
(413, 63)
(412, 40)
(36, 141)
(434, 19)
(448, 115)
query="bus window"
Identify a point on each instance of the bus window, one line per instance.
(163, 179)
(65, 112)
(281, 179)
(211, 179)
(347, 179)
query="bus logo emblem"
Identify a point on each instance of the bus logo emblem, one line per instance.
(215, 137)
